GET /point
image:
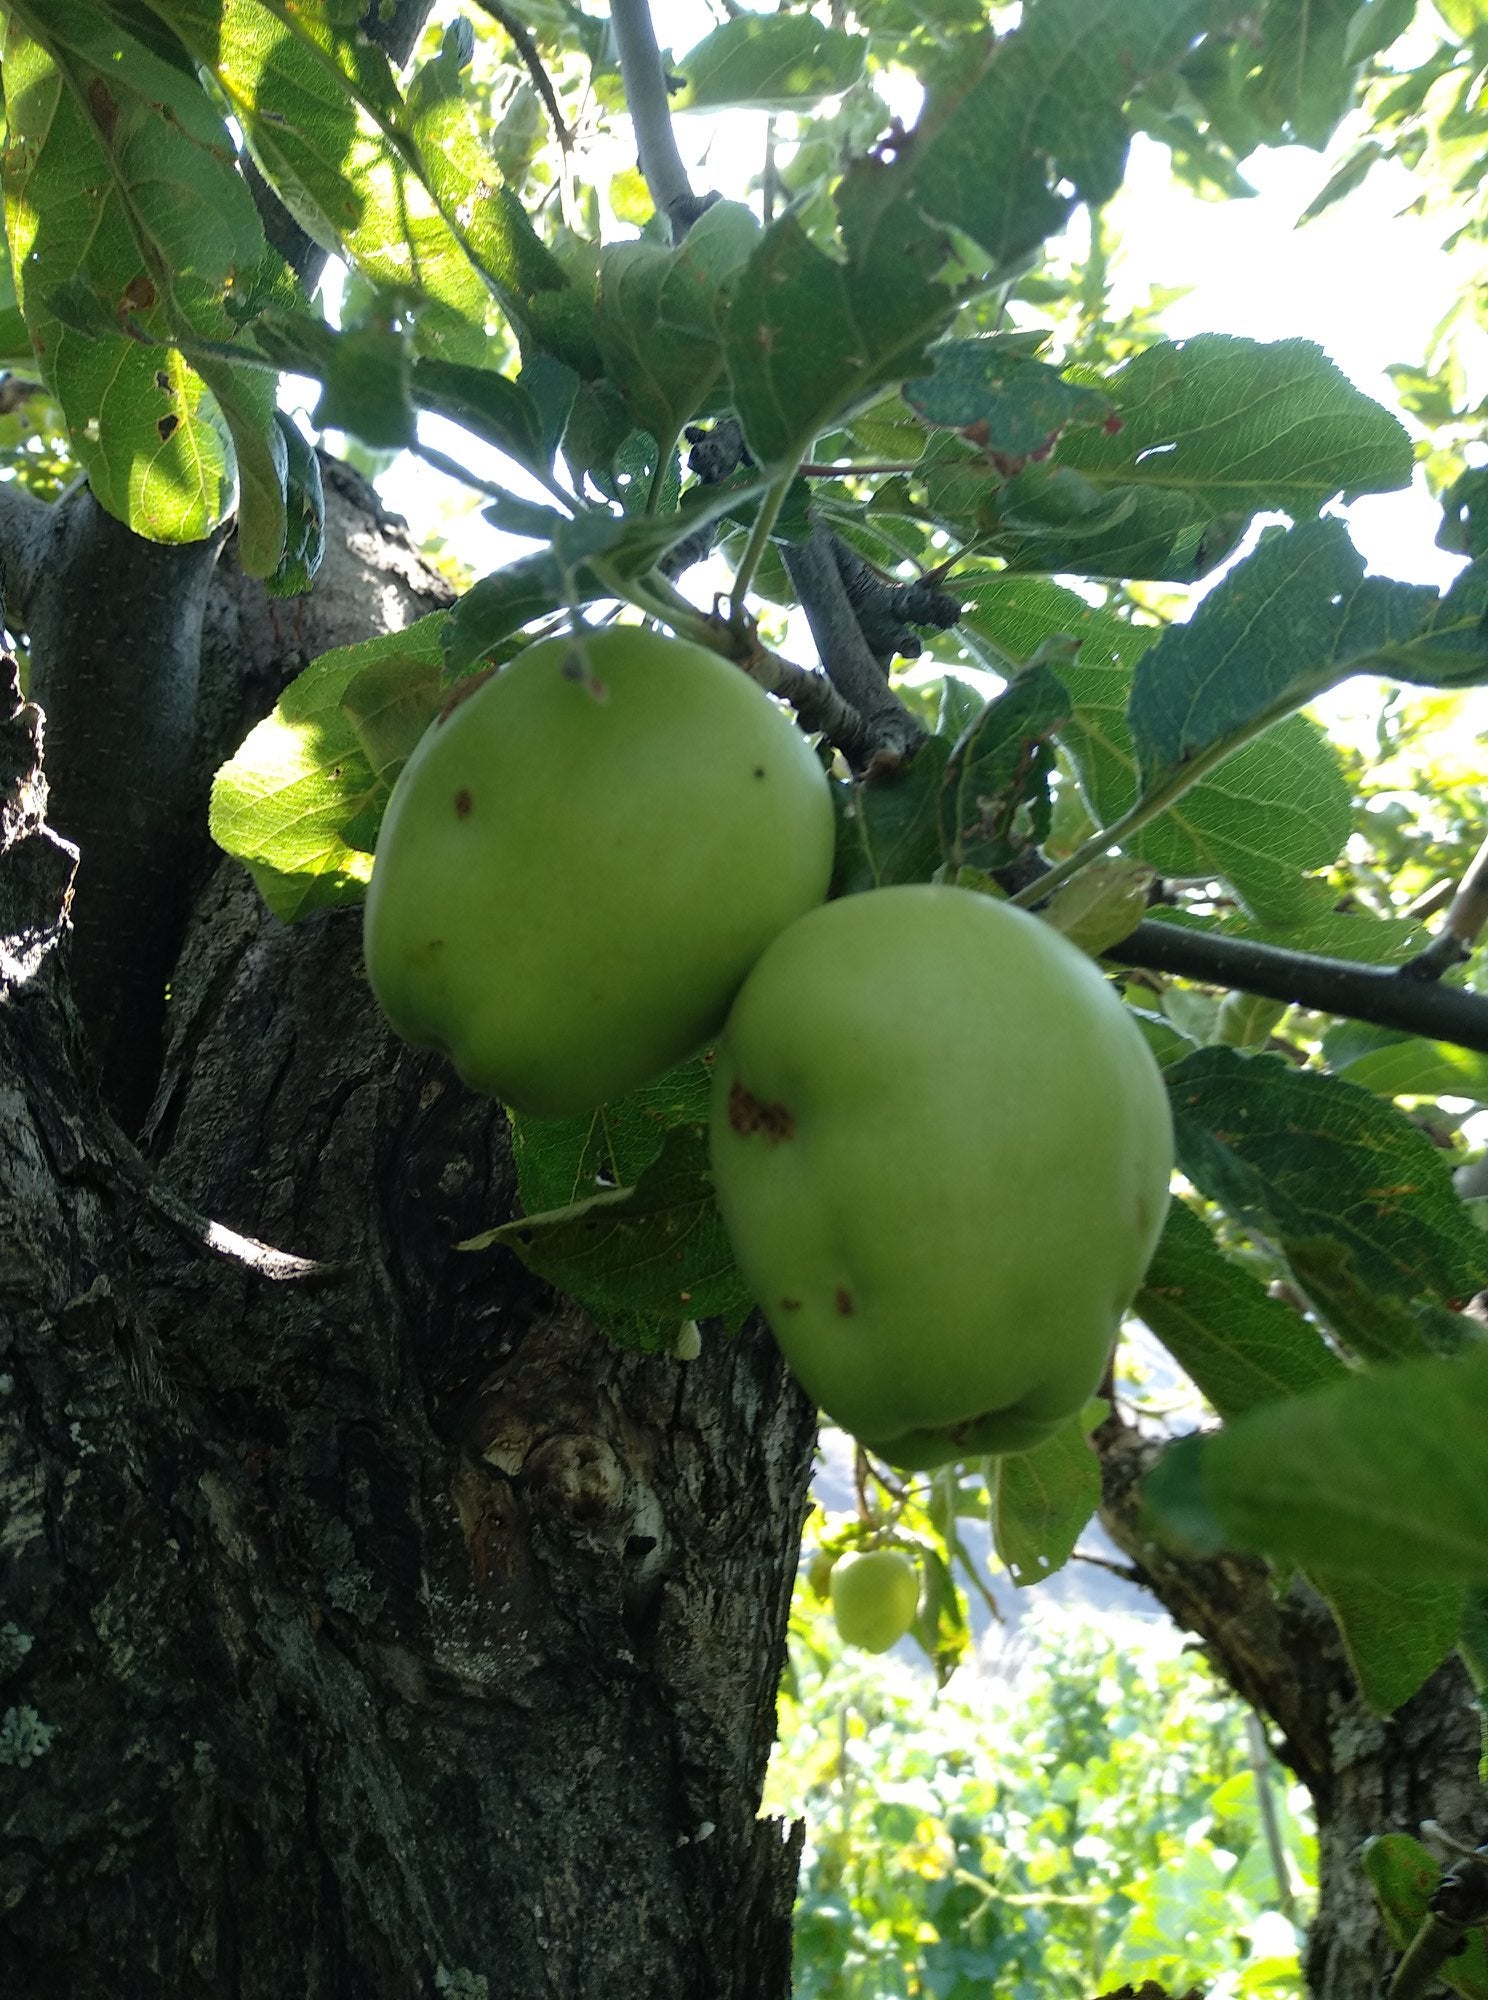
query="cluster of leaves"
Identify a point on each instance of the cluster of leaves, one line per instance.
(865, 322)
(834, 333)
(1085, 1814)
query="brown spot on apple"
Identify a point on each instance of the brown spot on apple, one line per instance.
(747, 1115)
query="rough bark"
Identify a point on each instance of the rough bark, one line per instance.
(1274, 1641)
(377, 1631)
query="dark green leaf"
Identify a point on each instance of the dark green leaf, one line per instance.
(1006, 155)
(1394, 1064)
(809, 337)
(1358, 1200)
(1042, 1501)
(1241, 1346)
(1269, 813)
(1005, 402)
(659, 314)
(1211, 431)
(304, 545)
(994, 802)
(657, 1248)
(1382, 1476)
(1295, 617)
(1396, 1633)
(564, 1160)
(888, 825)
(487, 404)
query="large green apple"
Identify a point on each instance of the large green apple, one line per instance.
(875, 1593)
(581, 861)
(942, 1151)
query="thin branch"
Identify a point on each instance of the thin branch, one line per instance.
(770, 181)
(809, 471)
(1260, 1770)
(1386, 995)
(1453, 943)
(527, 49)
(644, 77)
(844, 652)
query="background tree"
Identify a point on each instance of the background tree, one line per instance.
(370, 1625)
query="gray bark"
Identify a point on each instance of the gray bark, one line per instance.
(377, 1630)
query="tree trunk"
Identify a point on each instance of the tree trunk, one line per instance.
(1276, 1644)
(368, 1626)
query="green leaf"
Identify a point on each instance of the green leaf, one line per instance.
(457, 167)
(809, 337)
(1242, 1347)
(1382, 1476)
(1289, 79)
(1006, 155)
(994, 803)
(1269, 813)
(502, 603)
(1358, 1200)
(1396, 1633)
(301, 802)
(654, 1254)
(490, 406)
(659, 314)
(100, 179)
(1207, 432)
(560, 1161)
(300, 87)
(304, 542)
(1297, 616)
(563, 575)
(769, 62)
(1041, 1502)
(888, 825)
(1404, 1876)
(1400, 1065)
(1004, 401)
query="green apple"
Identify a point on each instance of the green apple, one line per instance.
(942, 1152)
(581, 861)
(874, 1595)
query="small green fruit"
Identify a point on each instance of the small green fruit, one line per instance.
(580, 863)
(942, 1152)
(874, 1596)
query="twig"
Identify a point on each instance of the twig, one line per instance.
(845, 653)
(644, 78)
(810, 471)
(1384, 995)
(1458, 1905)
(1453, 943)
(531, 56)
(1260, 1771)
(884, 734)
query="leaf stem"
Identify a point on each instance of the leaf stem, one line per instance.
(759, 536)
(452, 469)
